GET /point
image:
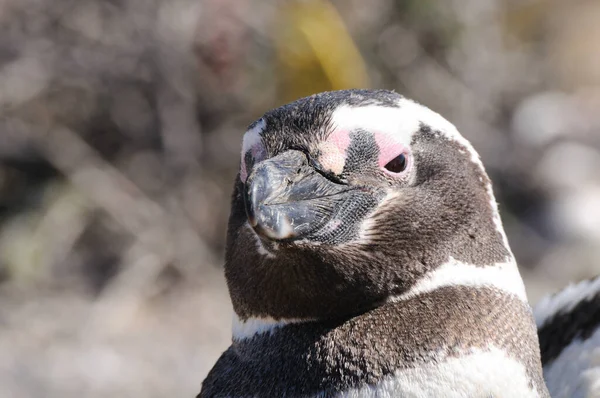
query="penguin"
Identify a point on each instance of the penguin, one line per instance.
(366, 257)
(569, 333)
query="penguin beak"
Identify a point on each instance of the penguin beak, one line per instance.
(286, 198)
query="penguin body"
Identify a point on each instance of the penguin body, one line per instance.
(366, 258)
(398, 349)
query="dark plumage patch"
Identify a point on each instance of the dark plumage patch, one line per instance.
(249, 160)
(564, 327)
(331, 357)
(362, 153)
(348, 217)
(445, 171)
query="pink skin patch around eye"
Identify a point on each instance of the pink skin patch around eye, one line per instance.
(333, 151)
(331, 158)
(340, 138)
(389, 148)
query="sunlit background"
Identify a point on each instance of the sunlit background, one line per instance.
(120, 130)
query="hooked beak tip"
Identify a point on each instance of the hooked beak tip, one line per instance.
(282, 230)
(286, 199)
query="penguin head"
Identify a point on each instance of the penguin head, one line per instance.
(345, 199)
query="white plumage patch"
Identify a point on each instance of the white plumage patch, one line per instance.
(251, 140)
(252, 136)
(502, 276)
(565, 300)
(484, 374)
(251, 327)
(575, 373)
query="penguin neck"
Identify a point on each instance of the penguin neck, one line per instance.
(504, 277)
(466, 334)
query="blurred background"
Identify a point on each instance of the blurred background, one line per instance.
(120, 130)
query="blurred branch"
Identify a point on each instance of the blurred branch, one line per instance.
(151, 225)
(177, 75)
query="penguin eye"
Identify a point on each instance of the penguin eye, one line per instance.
(398, 164)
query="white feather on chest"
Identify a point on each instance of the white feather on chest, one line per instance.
(480, 374)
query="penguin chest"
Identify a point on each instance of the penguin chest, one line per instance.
(482, 374)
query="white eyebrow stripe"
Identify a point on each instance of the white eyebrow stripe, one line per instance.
(252, 136)
(400, 122)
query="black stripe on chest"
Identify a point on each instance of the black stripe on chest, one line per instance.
(309, 359)
(559, 331)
